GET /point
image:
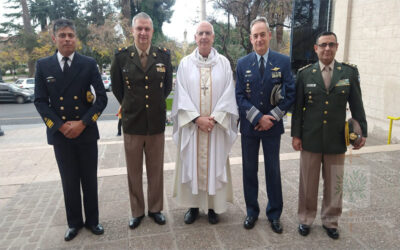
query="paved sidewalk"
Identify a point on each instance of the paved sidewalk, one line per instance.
(32, 212)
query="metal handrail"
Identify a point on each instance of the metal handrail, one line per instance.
(390, 127)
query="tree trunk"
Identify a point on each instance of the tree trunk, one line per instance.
(28, 35)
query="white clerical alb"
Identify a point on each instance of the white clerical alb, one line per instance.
(204, 87)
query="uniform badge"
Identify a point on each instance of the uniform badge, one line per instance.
(160, 67)
(275, 69)
(276, 74)
(311, 85)
(154, 54)
(314, 70)
(50, 79)
(132, 54)
(343, 82)
(89, 96)
(339, 68)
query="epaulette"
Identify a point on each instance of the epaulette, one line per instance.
(121, 49)
(350, 65)
(164, 50)
(304, 67)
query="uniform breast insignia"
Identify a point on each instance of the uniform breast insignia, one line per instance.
(154, 54)
(275, 74)
(343, 82)
(275, 69)
(89, 96)
(314, 70)
(248, 90)
(160, 67)
(50, 79)
(248, 73)
(49, 123)
(132, 54)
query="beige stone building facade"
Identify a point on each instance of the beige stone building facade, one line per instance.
(369, 36)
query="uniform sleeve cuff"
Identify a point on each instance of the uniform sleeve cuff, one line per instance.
(277, 113)
(252, 114)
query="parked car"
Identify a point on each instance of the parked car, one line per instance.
(12, 93)
(26, 83)
(107, 82)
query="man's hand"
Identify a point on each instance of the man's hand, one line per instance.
(65, 129)
(205, 123)
(361, 144)
(297, 144)
(76, 128)
(265, 123)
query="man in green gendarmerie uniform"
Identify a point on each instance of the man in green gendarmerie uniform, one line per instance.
(318, 127)
(141, 76)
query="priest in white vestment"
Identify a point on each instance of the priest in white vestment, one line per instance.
(204, 113)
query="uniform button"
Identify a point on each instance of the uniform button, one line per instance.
(147, 97)
(325, 112)
(129, 87)
(146, 77)
(76, 107)
(309, 92)
(343, 91)
(61, 108)
(326, 102)
(63, 117)
(61, 98)
(127, 82)
(75, 98)
(309, 97)
(261, 103)
(146, 87)
(325, 122)
(261, 92)
(126, 78)
(147, 105)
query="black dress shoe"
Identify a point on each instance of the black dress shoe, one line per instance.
(249, 222)
(191, 215)
(71, 233)
(97, 230)
(332, 232)
(135, 221)
(158, 217)
(276, 226)
(212, 217)
(304, 229)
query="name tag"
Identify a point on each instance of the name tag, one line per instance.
(343, 82)
(311, 85)
(50, 79)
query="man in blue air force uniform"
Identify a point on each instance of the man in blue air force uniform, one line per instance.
(262, 105)
(64, 100)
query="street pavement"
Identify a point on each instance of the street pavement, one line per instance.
(32, 213)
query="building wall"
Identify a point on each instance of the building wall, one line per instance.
(369, 36)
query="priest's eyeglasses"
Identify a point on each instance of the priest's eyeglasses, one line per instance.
(324, 45)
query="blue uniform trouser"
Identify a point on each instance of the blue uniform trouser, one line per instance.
(77, 163)
(250, 149)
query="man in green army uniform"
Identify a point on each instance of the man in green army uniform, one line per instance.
(318, 129)
(141, 76)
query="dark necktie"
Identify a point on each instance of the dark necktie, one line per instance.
(66, 66)
(262, 69)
